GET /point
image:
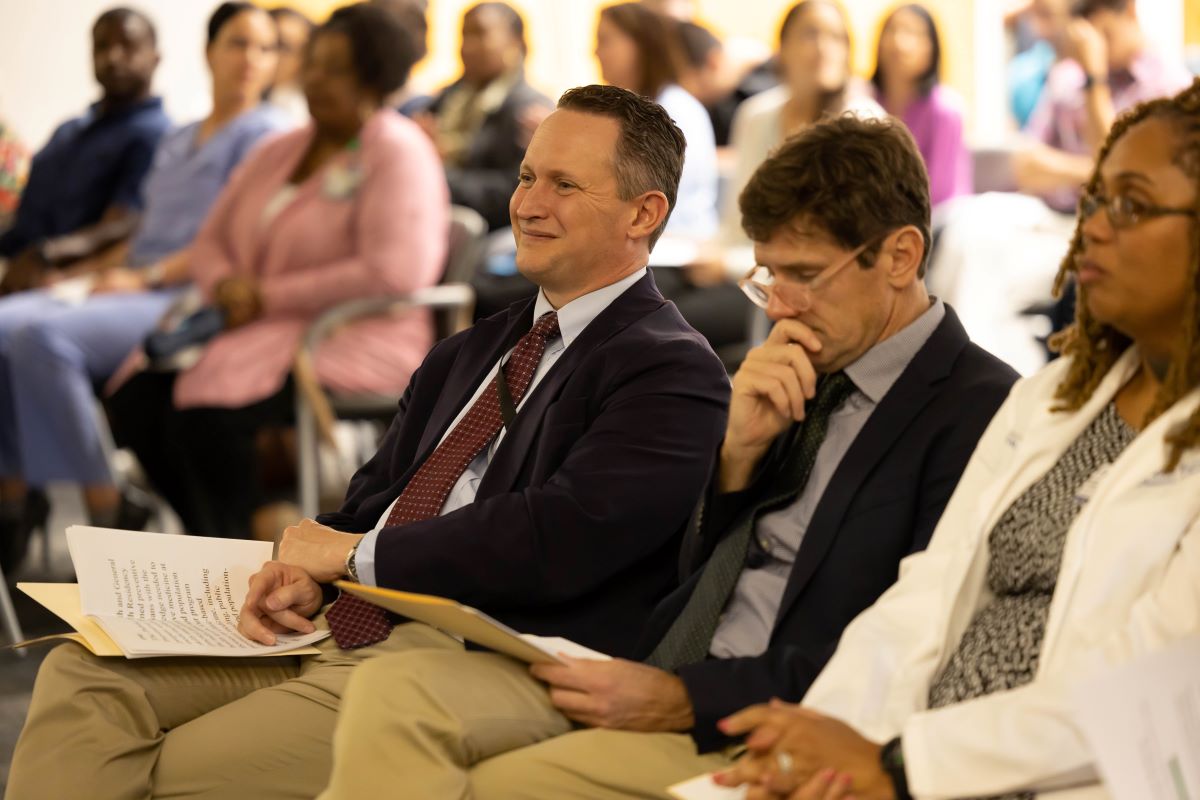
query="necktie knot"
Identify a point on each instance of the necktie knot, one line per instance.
(546, 326)
(831, 391)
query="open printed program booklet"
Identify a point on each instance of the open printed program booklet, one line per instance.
(153, 594)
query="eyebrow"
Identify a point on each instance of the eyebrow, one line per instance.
(800, 266)
(1129, 177)
(551, 174)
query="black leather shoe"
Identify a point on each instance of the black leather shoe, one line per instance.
(132, 515)
(15, 532)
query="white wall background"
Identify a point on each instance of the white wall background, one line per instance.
(46, 60)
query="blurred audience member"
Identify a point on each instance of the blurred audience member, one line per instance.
(907, 84)
(55, 345)
(1109, 66)
(1071, 545)
(681, 10)
(413, 16)
(717, 78)
(1046, 21)
(814, 61)
(477, 123)
(998, 252)
(14, 169)
(352, 206)
(84, 190)
(286, 91)
(637, 51)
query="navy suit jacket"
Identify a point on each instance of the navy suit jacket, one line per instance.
(577, 523)
(881, 504)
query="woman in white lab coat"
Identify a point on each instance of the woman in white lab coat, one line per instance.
(1072, 542)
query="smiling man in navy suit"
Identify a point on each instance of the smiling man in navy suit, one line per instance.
(848, 430)
(542, 468)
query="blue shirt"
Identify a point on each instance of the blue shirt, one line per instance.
(185, 181)
(90, 164)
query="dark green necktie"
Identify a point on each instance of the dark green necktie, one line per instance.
(689, 638)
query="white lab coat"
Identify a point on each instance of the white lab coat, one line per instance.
(1129, 585)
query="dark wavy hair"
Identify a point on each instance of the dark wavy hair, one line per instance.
(650, 147)
(1093, 346)
(857, 179)
(932, 75)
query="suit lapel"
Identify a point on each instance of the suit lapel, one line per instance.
(487, 344)
(916, 386)
(634, 304)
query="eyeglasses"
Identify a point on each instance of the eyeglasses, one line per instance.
(1124, 211)
(796, 292)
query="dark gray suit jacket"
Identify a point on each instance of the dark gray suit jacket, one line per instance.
(881, 504)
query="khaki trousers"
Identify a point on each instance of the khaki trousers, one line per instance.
(446, 725)
(254, 728)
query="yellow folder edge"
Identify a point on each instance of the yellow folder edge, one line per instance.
(62, 599)
(454, 618)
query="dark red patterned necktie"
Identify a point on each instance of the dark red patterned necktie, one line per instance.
(357, 623)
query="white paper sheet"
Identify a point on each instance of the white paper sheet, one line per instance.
(702, 787)
(1142, 721)
(157, 594)
(557, 645)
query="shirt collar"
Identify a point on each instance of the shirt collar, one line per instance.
(877, 369)
(94, 113)
(579, 313)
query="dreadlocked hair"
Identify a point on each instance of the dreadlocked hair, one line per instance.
(1094, 347)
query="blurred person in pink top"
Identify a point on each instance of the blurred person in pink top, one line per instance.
(353, 205)
(907, 81)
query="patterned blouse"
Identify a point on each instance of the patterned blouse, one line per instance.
(1000, 648)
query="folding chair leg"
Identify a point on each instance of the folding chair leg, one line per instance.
(8, 615)
(308, 454)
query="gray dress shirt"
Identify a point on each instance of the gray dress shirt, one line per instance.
(745, 627)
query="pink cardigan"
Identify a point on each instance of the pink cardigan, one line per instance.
(373, 220)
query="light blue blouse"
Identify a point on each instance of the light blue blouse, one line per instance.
(185, 180)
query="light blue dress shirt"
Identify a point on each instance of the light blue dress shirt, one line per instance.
(572, 319)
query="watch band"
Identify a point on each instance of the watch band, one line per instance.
(1091, 81)
(891, 758)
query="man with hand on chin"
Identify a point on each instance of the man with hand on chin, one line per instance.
(848, 430)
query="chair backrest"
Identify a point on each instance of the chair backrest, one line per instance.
(468, 235)
(464, 258)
